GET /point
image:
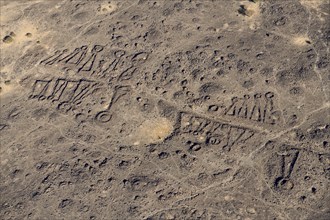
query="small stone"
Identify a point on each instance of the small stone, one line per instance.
(250, 210)
(244, 11)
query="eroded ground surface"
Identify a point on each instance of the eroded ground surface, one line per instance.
(165, 109)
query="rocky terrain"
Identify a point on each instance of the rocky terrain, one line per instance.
(154, 109)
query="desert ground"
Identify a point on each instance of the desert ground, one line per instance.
(165, 109)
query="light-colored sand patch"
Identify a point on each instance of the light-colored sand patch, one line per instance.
(23, 31)
(8, 87)
(5, 89)
(315, 4)
(251, 12)
(301, 40)
(8, 84)
(152, 131)
(8, 16)
(20, 37)
(107, 7)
